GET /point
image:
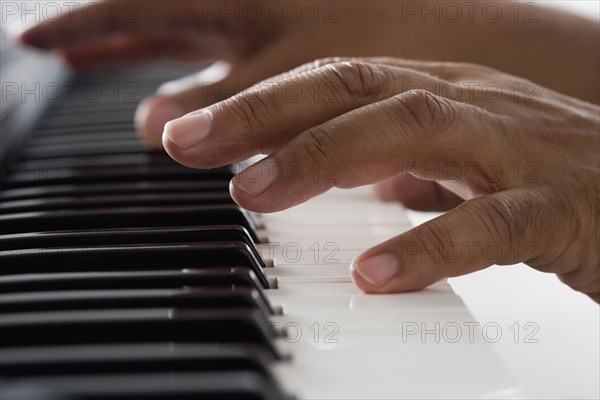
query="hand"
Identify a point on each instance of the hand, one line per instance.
(262, 38)
(524, 158)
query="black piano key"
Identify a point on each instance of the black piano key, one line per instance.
(116, 201)
(100, 252)
(152, 75)
(123, 136)
(194, 298)
(67, 108)
(76, 124)
(235, 385)
(131, 146)
(51, 127)
(129, 217)
(47, 166)
(17, 389)
(124, 236)
(134, 257)
(137, 326)
(131, 258)
(83, 118)
(43, 131)
(146, 357)
(216, 233)
(92, 189)
(212, 278)
(57, 174)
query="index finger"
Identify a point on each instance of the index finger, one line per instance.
(262, 119)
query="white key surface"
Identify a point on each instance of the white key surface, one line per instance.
(347, 344)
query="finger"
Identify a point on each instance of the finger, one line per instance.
(199, 91)
(94, 20)
(416, 194)
(222, 80)
(270, 114)
(177, 98)
(408, 131)
(491, 229)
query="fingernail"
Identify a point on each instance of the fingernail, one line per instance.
(256, 179)
(377, 269)
(186, 132)
(160, 115)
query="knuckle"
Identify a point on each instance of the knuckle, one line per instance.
(357, 78)
(321, 62)
(432, 242)
(246, 110)
(501, 218)
(313, 65)
(318, 146)
(425, 112)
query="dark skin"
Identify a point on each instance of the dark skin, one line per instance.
(544, 120)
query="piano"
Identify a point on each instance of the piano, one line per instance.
(124, 275)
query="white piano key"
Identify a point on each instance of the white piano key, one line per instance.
(342, 214)
(282, 272)
(380, 365)
(290, 250)
(325, 255)
(340, 208)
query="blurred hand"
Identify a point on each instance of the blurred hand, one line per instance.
(254, 40)
(523, 157)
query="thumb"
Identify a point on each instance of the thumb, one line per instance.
(486, 230)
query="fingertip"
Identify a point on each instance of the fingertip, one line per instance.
(254, 180)
(188, 131)
(382, 272)
(248, 201)
(183, 140)
(262, 187)
(171, 148)
(360, 282)
(151, 117)
(378, 269)
(240, 197)
(38, 36)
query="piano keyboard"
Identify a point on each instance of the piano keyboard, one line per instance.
(127, 276)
